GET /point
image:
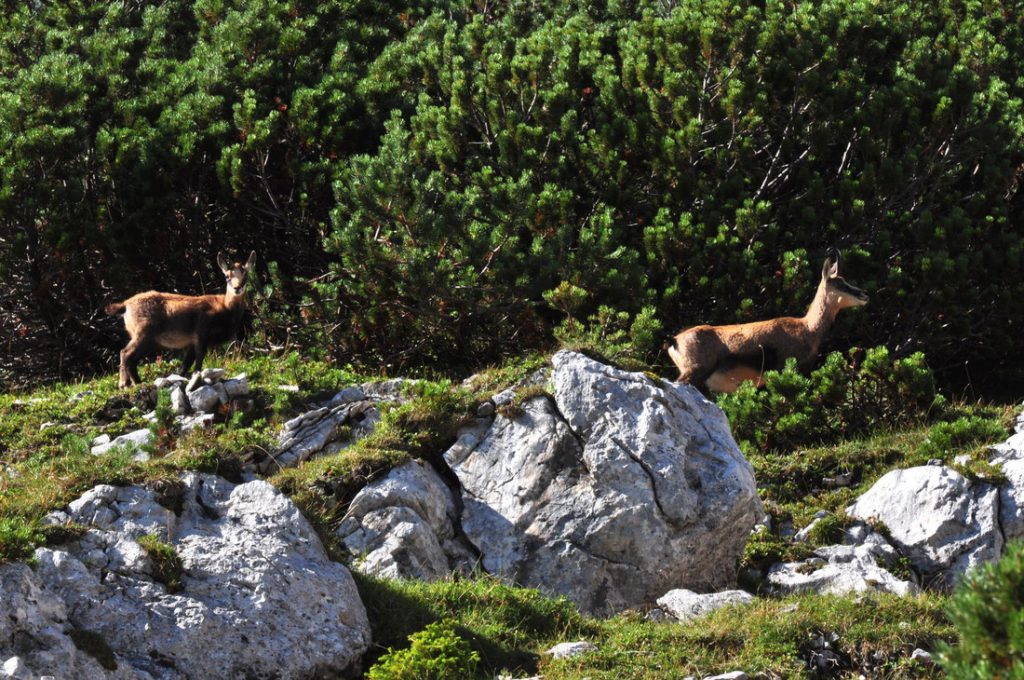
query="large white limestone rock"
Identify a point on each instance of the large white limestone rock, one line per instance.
(259, 597)
(944, 523)
(614, 491)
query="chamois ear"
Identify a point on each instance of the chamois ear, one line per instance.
(251, 262)
(830, 269)
(223, 264)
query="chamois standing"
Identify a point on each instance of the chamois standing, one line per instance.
(720, 358)
(174, 321)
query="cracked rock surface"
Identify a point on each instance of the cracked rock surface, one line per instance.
(259, 597)
(943, 522)
(347, 417)
(686, 605)
(613, 492)
(842, 569)
(403, 526)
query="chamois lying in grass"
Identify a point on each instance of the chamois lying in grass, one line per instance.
(171, 321)
(720, 358)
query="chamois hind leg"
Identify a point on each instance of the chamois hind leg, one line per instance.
(123, 377)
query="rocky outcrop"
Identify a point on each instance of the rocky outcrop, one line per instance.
(841, 569)
(1009, 457)
(686, 605)
(611, 491)
(194, 402)
(942, 522)
(256, 596)
(347, 417)
(403, 526)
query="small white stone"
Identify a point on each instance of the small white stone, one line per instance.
(213, 375)
(237, 386)
(568, 650)
(170, 381)
(686, 605)
(200, 420)
(134, 440)
(205, 398)
(14, 667)
(179, 401)
(194, 382)
(922, 656)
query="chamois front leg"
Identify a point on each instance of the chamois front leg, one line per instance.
(199, 348)
(130, 357)
(190, 356)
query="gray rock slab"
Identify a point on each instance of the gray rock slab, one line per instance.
(842, 569)
(259, 596)
(616, 491)
(686, 605)
(569, 650)
(944, 523)
(134, 441)
(401, 526)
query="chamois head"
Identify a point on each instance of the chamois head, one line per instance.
(839, 293)
(235, 276)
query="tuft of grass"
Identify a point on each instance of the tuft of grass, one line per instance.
(489, 382)
(19, 537)
(765, 548)
(167, 564)
(514, 408)
(965, 434)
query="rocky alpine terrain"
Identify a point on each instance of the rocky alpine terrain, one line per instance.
(614, 489)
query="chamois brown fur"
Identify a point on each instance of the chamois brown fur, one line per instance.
(192, 322)
(720, 358)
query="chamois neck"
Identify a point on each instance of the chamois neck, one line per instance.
(234, 301)
(820, 314)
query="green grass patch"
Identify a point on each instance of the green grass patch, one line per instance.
(46, 434)
(797, 484)
(489, 382)
(167, 565)
(771, 638)
(504, 625)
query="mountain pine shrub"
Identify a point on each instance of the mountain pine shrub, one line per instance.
(435, 653)
(987, 611)
(847, 395)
